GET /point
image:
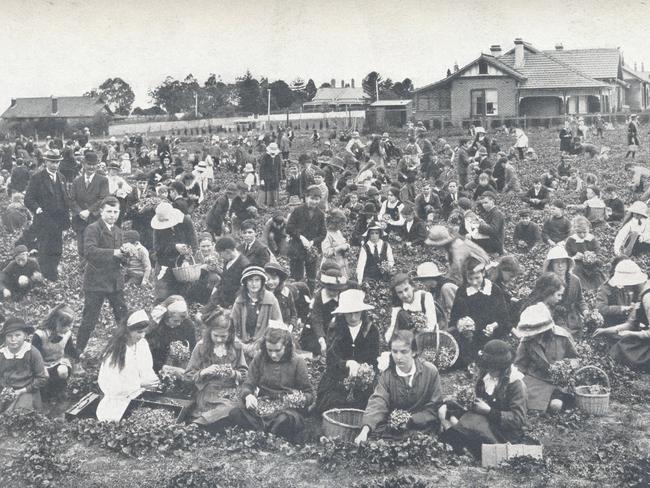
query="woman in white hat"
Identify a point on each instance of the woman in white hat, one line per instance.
(270, 172)
(441, 288)
(618, 297)
(634, 237)
(354, 340)
(632, 336)
(542, 344)
(569, 312)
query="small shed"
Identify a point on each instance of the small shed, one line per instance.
(389, 113)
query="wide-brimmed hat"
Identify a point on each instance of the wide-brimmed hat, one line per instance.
(557, 253)
(114, 165)
(202, 167)
(640, 208)
(534, 320)
(138, 320)
(248, 168)
(166, 216)
(627, 273)
(277, 269)
(479, 130)
(351, 301)
(52, 155)
(426, 271)
(90, 158)
(13, 324)
(495, 354)
(439, 235)
(374, 226)
(273, 149)
(332, 277)
(252, 271)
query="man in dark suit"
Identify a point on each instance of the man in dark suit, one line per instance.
(103, 278)
(48, 200)
(426, 202)
(306, 227)
(256, 252)
(86, 195)
(234, 265)
(450, 200)
(221, 211)
(177, 197)
(415, 231)
(19, 177)
(492, 224)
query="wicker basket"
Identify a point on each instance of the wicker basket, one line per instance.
(592, 403)
(342, 423)
(187, 274)
(435, 339)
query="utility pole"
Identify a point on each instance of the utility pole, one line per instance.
(196, 105)
(268, 109)
(377, 89)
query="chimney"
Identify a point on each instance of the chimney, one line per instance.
(13, 102)
(559, 46)
(342, 83)
(55, 104)
(635, 66)
(495, 49)
(519, 53)
(333, 83)
(352, 82)
(456, 66)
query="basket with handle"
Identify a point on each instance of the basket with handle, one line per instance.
(592, 403)
(342, 423)
(435, 340)
(189, 273)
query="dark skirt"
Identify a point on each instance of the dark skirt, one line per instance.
(633, 352)
(214, 403)
(288, 423)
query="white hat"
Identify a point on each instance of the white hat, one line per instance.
(178, 306)
(351, 301)
(638, 207)
(126, 156)
(479, 130)
(202, 166)
(427, 270)
(248, 168)
(273, 149)
(555, 253)
(278, 324)
(355, 134)
(534, 320)
(627, 273)
(113, 139)
(138, 320)
(166, 216)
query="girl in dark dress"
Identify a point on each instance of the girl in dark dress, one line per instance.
(353, 340)
(172, 324)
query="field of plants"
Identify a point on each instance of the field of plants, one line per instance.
(579, 450)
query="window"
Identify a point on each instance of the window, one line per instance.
(482, 68)
(445, 100)
(484, 102)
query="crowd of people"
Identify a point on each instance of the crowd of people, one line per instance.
(280, 262)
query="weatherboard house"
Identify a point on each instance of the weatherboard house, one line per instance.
(531, 82)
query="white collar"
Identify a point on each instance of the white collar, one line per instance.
(485, 290)
(89, 177)
(491, 383)
(27, 346)
(354, 331)
(326, 298)
(588, 237)
(52, 175)
(410, 375)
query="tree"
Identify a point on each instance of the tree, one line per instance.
(117, 94)
(248, 90)
(298, 84)
(404, 89)
(148, 111)
(310, 89)
(325, 85)
(370, 83)
(281, 95)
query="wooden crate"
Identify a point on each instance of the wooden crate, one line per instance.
(495, 454)
(84, 408)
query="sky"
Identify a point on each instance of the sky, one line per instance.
(67, 47)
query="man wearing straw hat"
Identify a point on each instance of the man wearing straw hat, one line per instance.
(103, 277)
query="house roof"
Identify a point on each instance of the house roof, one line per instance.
(70, 107)
(390, 103)
(339, 96)
(542, 70)
(640, 75)
(599, 63)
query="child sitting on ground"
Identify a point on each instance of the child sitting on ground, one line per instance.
(16, 217)
(527, 234)
(373, 254)
(557, 227)
(615, 208)
(138, 264)
(564, 169)
(20, 275)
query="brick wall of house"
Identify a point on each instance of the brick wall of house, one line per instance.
(432, 103)
(461, 96)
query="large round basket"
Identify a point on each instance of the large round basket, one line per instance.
(592, 403)
(187, 274)
(433, 341)
(342, 423)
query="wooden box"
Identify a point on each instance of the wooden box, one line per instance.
(495, 454)
(84, 408)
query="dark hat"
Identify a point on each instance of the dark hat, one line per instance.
(510, 265)
(52, 155)
(276, 269)
(408, 209)
(114, 165)
(372, 191)
(90, 157)
(242, 186)
(332, 277)
(131, 236)
(141, 176)
(15, 323)
(488, 194)
(525, 212)
(19, 250)
(495, 354)
(374, 226)
(231, 188)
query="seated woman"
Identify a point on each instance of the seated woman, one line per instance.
(580, 242)
(353, 340)
(633, 238)
(54, 341)
(252, 310)
(632, 346)
(390, 213)
(408, 384)
(499, 411)
(275, 372)
(276, 277)
(479, 313)
(126, 367)
(569, 311)
(171, 322)
(22, 371)
(617, 297)
(502, 275)
(211, 267)
(409, 306)
(217, 367)
(542, 343)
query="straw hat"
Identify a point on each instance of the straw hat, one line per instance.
(273, 149)
(331, 277)
(556, 253)
(351, 301)
(439, 236)
(248, 168)
(253, 271)
(426, 271)
(627, 273)
(276, 269)
(52, 155)
(534, 320)
(374, 226)
(639, 208)
(166, 217)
